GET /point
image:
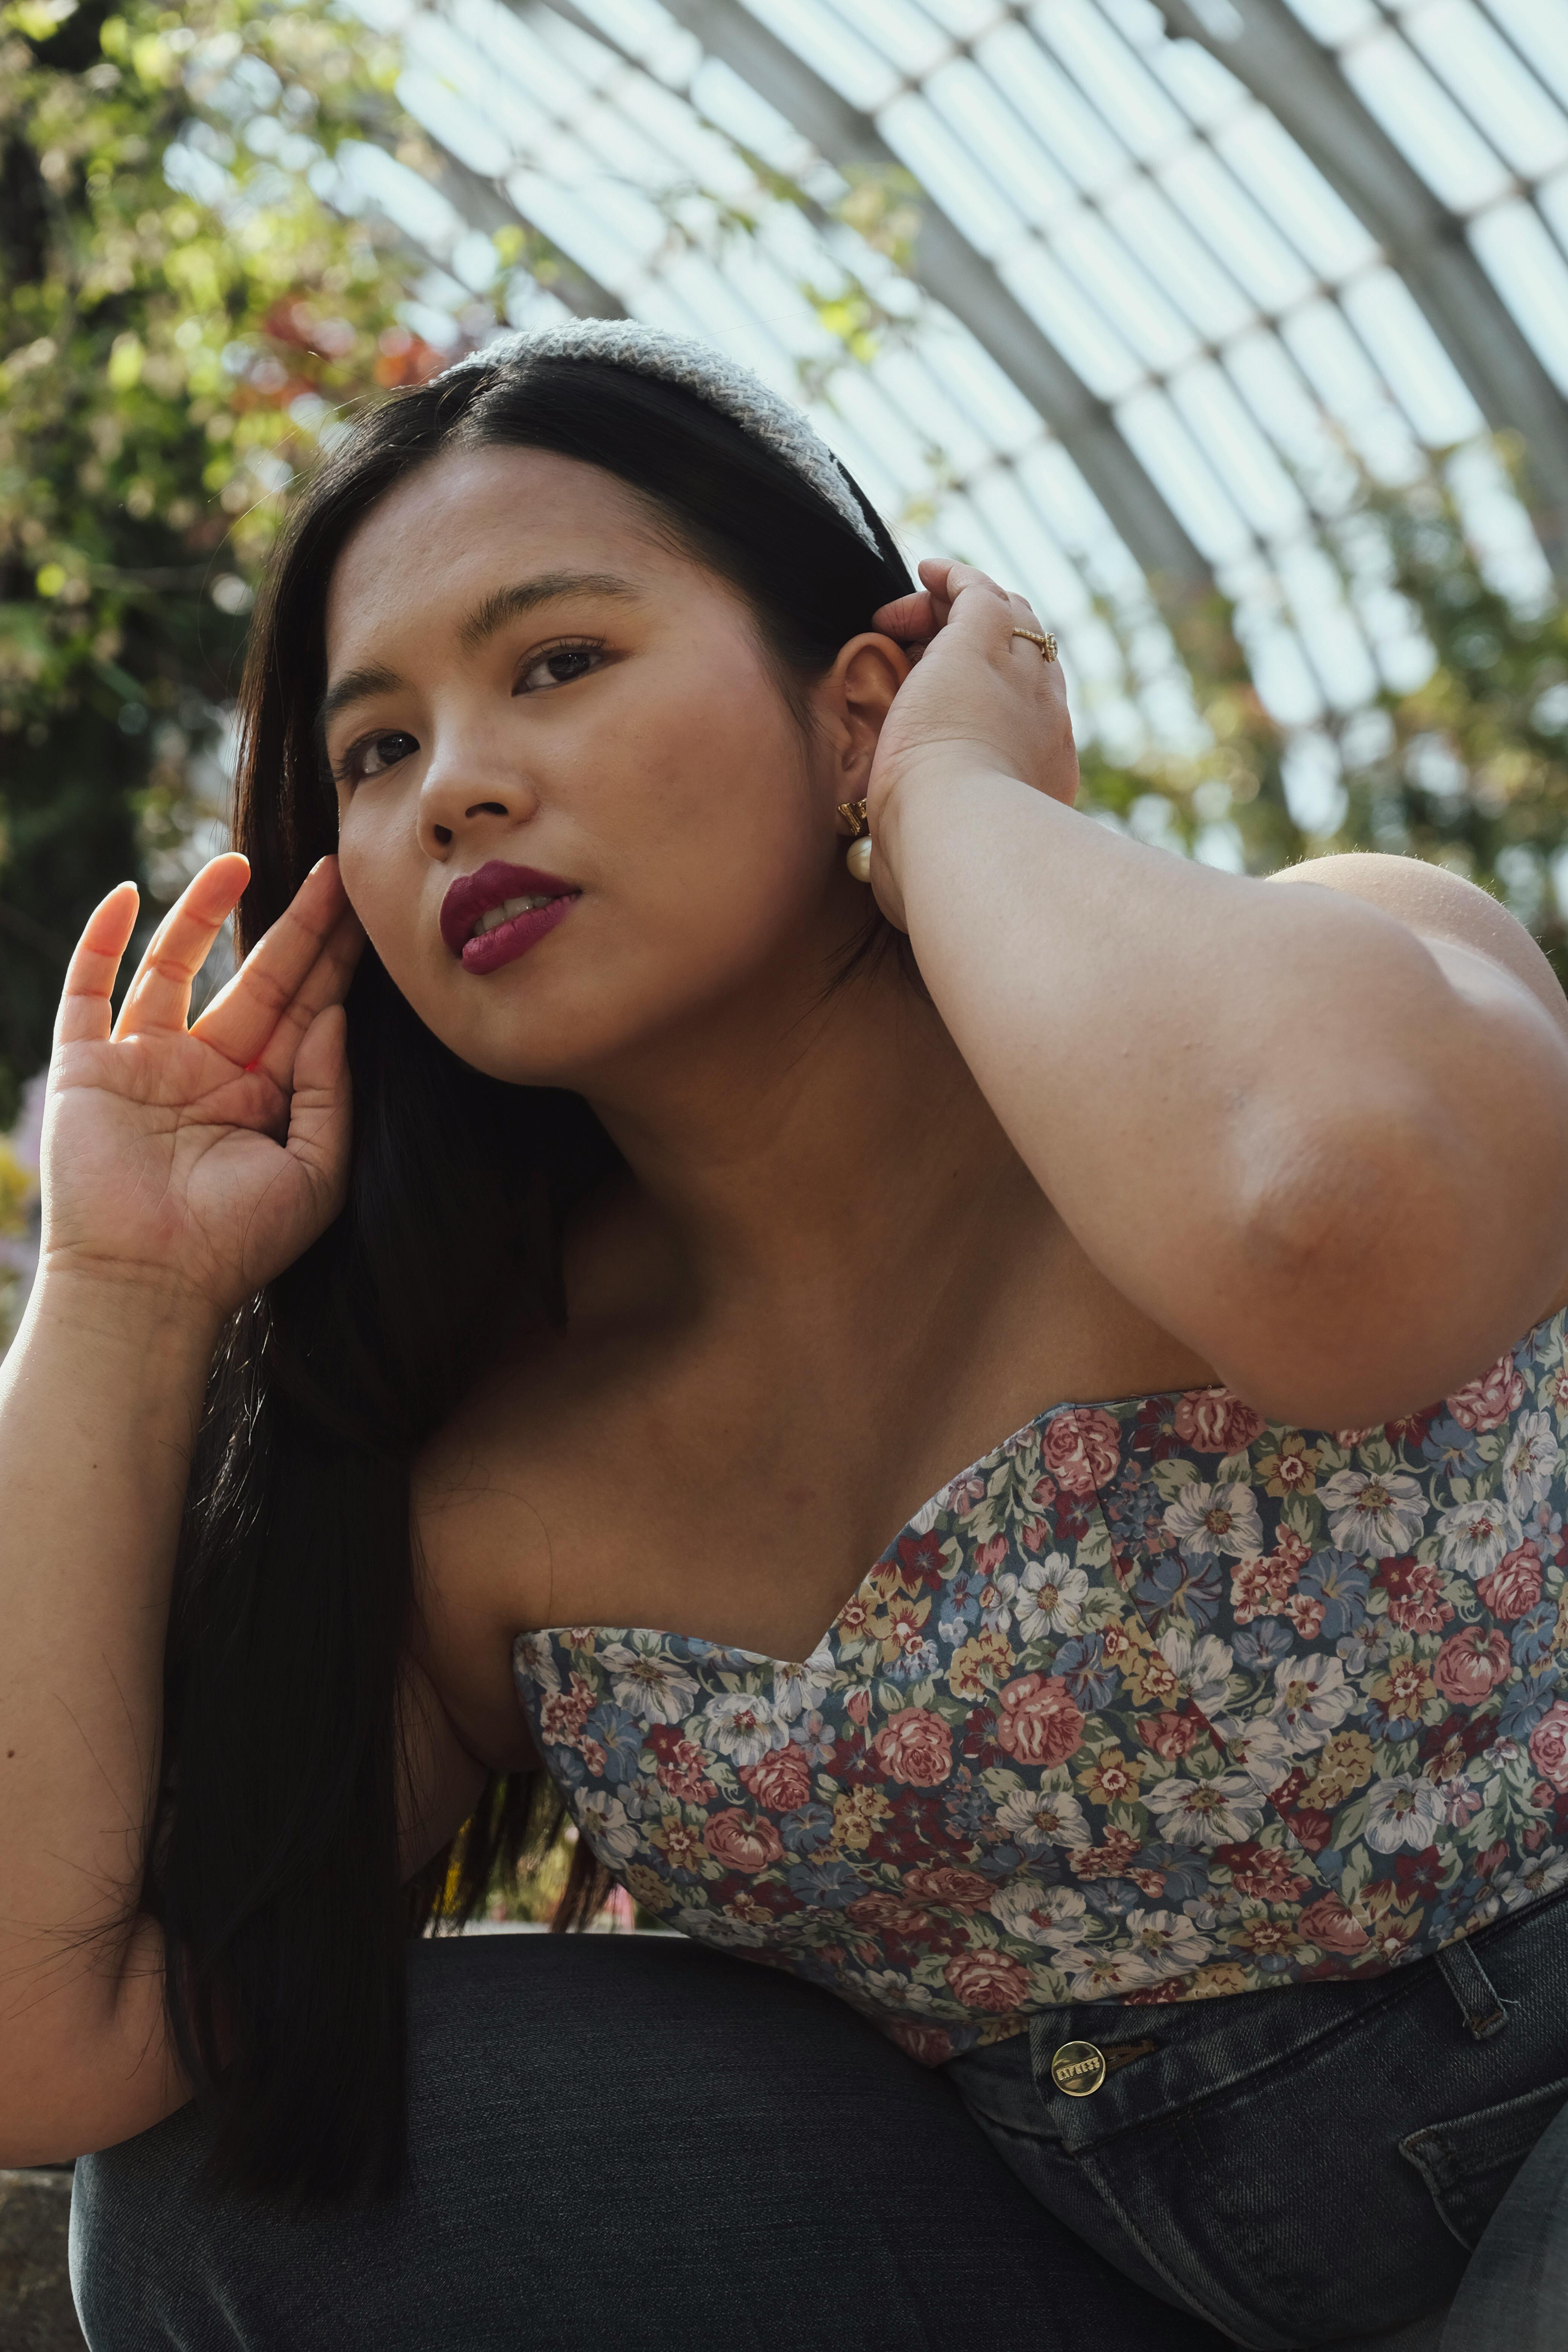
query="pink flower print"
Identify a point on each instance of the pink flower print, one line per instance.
(914, 1746)
(1487, 1402)
(1082, 1446)
(988, 1981)
(1549, 1746)
(1471, 1665)
(954, 1889)
(781, 1781)
(1212, 1420)
(1039, 1723)
(742, 1841)
(1514, 1584)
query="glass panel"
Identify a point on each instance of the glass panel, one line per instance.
(972, 202)
(1253, 475)
(1067, 130)
(1215, 200)
(1532, 277)
(1185, 266)
(1073, 323)
(1539, 31)
(819, 34)
(1424, 122)
(996, 143)
(1110, 73)
(1183, 472)
(1415, 365)
(1491, 84)
(1126, 294)
(1295, 193)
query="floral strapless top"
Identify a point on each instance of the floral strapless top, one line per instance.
(1157, 1701)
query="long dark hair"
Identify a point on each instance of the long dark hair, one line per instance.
(273, 1862)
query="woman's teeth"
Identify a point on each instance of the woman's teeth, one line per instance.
(508, 911)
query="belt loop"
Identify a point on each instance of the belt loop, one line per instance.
(1480, 2004)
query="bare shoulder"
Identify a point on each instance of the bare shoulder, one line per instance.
(485, 1568)
(1439, 907)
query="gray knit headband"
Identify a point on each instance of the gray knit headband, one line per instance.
(734, 391)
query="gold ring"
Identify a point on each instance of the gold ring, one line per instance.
(1046, 644)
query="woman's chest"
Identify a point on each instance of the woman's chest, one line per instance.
(740, 1492)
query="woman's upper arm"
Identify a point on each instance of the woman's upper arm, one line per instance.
(1512, 1066)
(84, 2090)
(1443, 910)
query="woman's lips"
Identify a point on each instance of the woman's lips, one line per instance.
(494, 888)
(512, 938)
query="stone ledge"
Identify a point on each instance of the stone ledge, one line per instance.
(37, 2313)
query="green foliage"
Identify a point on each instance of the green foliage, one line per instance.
(168, 361)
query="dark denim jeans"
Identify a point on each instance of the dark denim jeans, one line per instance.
(620, 2144)
(1304, 2167)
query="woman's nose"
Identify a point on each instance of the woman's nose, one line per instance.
(468, 792)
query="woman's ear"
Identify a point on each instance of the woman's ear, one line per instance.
(854, 700)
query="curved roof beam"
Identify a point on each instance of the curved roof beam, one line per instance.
(1270, 52)
(485, 204)
(964, 281)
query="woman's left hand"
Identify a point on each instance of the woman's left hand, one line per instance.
(977, 699)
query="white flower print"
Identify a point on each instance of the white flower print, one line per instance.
(533, 1654)
(1530, 1460)
(1376, 1514)
(1168, 1938)
(1109, 1974)
(741, 1725)
(1037, 1817)
(1201, 1667)
(1540, 1873)
(1047, 1598)
(1402, 1811)
(1311, 1699)
(1476, 1535)
(800, 1687)
(1260, 1751)
(1205, 1519)
(646, 1680)
(604, 1821)
(1039, 1915)
(1213, 1812)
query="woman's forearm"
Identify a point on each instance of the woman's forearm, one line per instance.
(99, 1398)
(1248, 1103)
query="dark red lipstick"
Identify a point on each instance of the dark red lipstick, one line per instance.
(473, 897)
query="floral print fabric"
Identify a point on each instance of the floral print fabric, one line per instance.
(1158, 1701)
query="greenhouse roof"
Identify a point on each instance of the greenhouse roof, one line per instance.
(1093, 292)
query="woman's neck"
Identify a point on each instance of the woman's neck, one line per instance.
(830, 1140)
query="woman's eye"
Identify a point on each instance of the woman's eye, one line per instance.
(558, 666)
(376, 753)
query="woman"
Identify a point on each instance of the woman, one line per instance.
(1180, 1785)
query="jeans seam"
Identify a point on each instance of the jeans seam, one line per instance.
(1266, 2067)
(1178, 2287)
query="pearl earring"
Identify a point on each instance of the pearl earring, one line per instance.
(857, 857)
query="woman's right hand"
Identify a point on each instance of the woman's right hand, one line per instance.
(198, 1162)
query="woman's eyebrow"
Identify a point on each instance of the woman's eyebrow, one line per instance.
(502, 605)
(506, 603)
(354, 686)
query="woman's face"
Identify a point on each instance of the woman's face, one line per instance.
(576, 812)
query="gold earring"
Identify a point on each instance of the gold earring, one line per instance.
(857, 857)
